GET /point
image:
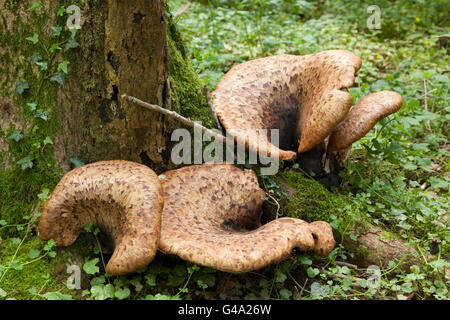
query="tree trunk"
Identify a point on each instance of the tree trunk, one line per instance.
(125, 46)
(123, 49)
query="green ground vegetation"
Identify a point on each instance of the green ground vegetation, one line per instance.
(396, 177)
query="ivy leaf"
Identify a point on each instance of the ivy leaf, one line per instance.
(34, 253)
(59, 77)
(32, 106)
(90, 267)
(43, 65)
(77, 162)
(437, 183)
(305, 260)
(54, 47)
(98, 280)
(280, 276)
(35, 6)
(21, 86)
(61, 11)
(16, 241)
(50, 244)
(312, 272)
(44, 195)
(72, 43)
(56, 296)
(43, 114)
(56, 31)
(26, 163)
(47, 141)
(16, 135)
(150, 279)
(34, 39)
(63, 66)
(16, 266)
(285, 293)
(122, 293)
(36, 57)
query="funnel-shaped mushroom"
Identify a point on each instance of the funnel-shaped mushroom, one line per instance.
(362, 118)
(206, 207)
(124, 199)
(305, 97)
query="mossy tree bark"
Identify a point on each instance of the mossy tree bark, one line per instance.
(125, 46)
(123, 49)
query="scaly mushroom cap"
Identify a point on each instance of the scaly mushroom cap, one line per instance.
(124, 199)
(362, 118)
(304, 97)
(207, 205)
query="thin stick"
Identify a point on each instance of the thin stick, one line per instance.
(181, 10)
(276, 202)
(174, 115)
(208, 98)
(346, 264)
(303, 288)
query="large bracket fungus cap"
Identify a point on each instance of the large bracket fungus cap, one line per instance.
(207, 206)
(362, 117)
(124, 199)
(305, 97)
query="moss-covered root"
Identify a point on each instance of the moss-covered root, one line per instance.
(307, 199)
(366, 243)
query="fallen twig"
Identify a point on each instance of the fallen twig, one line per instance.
(174, 115)
(346, 264)
(182, 10)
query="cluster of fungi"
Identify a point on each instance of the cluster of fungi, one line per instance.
(210, 214)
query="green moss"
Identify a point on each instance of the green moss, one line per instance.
(186, 87)
(309, 200)
(19, 187)
(44, 274)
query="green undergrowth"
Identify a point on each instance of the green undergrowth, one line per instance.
(38, 270)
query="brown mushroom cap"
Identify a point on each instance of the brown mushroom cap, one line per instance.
(124, 199)
(304, 97)
(362, 118)
(207, 205)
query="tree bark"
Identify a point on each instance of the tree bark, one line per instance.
(123, 49)
(134, 60)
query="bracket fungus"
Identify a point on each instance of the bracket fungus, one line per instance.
(207, 206)
(305, 97)
(362, 118)
(124, 199)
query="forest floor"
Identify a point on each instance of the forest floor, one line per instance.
(396, 178)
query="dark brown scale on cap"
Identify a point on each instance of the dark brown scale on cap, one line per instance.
(208, 232)
(305, 101)
(124, 199)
